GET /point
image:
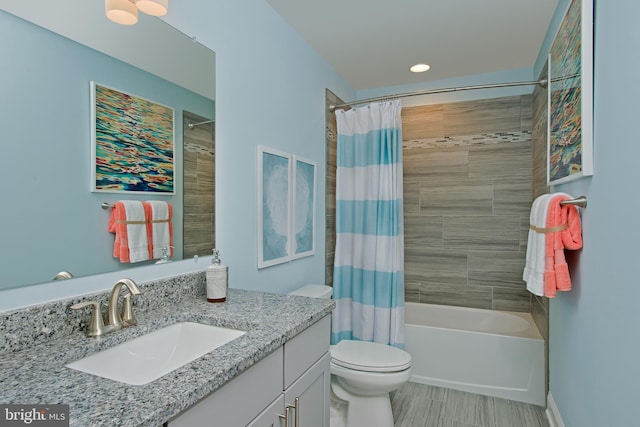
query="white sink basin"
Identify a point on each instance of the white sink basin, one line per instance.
(148, 357)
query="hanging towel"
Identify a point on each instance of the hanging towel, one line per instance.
(534, 268)
(563, 231)
(159, 228)
(128, 222)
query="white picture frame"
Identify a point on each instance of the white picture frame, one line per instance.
(304, 207)
(274, 206)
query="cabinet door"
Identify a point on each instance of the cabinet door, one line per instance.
(270, 417)
(241, 399)
(312, 393)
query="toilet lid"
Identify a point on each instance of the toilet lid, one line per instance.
(369, 356)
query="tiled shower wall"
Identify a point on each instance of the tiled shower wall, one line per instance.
(467, 194)
(467, 191)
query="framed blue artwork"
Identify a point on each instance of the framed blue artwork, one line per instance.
(274, 206)
(304, 207)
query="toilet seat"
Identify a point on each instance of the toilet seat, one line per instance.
(369, 356)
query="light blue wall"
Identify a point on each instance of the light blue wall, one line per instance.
(594, 344)
(270, 90)
(46, 150)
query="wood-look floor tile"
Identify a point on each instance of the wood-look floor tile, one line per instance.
(469, 408)
(509, 414)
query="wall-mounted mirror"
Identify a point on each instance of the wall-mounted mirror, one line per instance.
(53, 50)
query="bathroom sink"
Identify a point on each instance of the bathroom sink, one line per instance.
(148, 357)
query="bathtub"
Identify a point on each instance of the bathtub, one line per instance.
(493, 353)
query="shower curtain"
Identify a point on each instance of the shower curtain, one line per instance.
(368, 279)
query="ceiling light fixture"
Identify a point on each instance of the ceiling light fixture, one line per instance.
(125, 12)
(419, 68)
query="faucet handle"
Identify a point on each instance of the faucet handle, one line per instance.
(128, 319)
(96, 324)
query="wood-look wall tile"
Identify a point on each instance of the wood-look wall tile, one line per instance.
(411, 291)
(425, 121)
(512, 197)
(482, 233)
(540, 314)
(496, 268)
(486, 115)
(502, 160)
(462, 296)
(524, 232)
(436, 266)
(471, 198)
(422, 232)
(411, 196)
(510, 299)
(429, 162)
(526, 113)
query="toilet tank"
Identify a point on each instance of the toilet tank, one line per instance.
(314, 291)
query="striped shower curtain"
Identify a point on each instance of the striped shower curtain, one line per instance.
(368, 279)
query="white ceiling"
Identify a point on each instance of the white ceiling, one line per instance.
(372, 43)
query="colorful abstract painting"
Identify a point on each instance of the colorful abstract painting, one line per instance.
(570, 94)
(133, 148)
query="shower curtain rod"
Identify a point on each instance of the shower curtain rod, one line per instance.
(192, 125)
(542, 83)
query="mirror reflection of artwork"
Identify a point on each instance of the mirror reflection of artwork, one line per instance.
(274, 208)
(304, 207)
(133, 143)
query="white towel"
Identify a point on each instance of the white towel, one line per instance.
(136, 231)
(160, 229)
(534, 266)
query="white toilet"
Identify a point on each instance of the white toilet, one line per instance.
(362, 375)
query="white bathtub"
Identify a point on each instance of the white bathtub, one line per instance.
(494, 353)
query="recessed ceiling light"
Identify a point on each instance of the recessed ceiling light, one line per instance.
(419, 68)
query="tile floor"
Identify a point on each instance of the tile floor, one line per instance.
(418, 405)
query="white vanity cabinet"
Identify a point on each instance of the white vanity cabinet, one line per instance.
(293, 381)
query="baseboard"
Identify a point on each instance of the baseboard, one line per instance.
(553, 414)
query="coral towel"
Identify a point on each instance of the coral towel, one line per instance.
(563, 231)
(159, 228)
(128, 222)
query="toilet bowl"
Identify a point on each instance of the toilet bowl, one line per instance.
(362, 375)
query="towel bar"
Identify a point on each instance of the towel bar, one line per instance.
(578, 201)
(106, 205)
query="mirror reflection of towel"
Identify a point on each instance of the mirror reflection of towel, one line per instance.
(129, 223)
(159, 228)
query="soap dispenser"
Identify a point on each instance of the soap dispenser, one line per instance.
(217, 280)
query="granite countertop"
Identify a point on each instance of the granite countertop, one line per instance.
(37, 374)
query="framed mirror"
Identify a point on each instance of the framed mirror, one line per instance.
(53, 222)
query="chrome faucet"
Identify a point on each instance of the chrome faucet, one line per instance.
(115, 321)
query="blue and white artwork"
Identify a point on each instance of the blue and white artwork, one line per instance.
(304, 207)
(274, 207)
